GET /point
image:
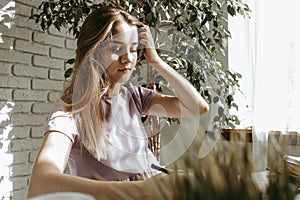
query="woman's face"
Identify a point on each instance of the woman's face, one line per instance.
(120, 54)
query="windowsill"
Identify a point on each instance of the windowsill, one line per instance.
(291, 138)
(244, 135)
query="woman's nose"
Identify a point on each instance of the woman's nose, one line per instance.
(126, 57)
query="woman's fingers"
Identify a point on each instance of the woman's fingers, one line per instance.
(146, 39)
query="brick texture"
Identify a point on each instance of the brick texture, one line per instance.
(32, 65)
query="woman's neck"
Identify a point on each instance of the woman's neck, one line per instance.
(113, 90)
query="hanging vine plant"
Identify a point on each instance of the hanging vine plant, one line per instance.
(203, 23)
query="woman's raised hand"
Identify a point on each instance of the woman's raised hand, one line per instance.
(146, 39)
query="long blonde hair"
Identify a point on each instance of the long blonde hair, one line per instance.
(89, 83)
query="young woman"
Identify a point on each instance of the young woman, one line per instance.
(96, 126)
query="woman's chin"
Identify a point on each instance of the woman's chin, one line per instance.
(125, 78)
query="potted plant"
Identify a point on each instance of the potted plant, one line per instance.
(202, 22)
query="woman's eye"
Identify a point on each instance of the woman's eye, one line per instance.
(120, 50)
(116, 49)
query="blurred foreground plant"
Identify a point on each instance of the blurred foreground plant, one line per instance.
(227, 173)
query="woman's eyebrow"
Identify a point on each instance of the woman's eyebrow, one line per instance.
(121, 42)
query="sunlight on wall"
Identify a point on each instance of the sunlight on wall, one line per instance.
(7, 14)
(10, 13)
(6, 185)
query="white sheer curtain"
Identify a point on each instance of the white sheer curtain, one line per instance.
(266, 51)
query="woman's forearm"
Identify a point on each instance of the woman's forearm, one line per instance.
(57, 182)
(185, 91)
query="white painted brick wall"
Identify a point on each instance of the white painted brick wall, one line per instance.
(5, 68)
(46, 61)
(56, 74)
(30, 71)
(51, 40)
(32, 65)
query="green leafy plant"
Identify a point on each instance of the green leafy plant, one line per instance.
(202, 22)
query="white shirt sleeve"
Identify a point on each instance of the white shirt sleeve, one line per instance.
(63, 122)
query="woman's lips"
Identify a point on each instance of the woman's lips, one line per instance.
(124, 70)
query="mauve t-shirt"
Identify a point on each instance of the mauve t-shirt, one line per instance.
(127, 152)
